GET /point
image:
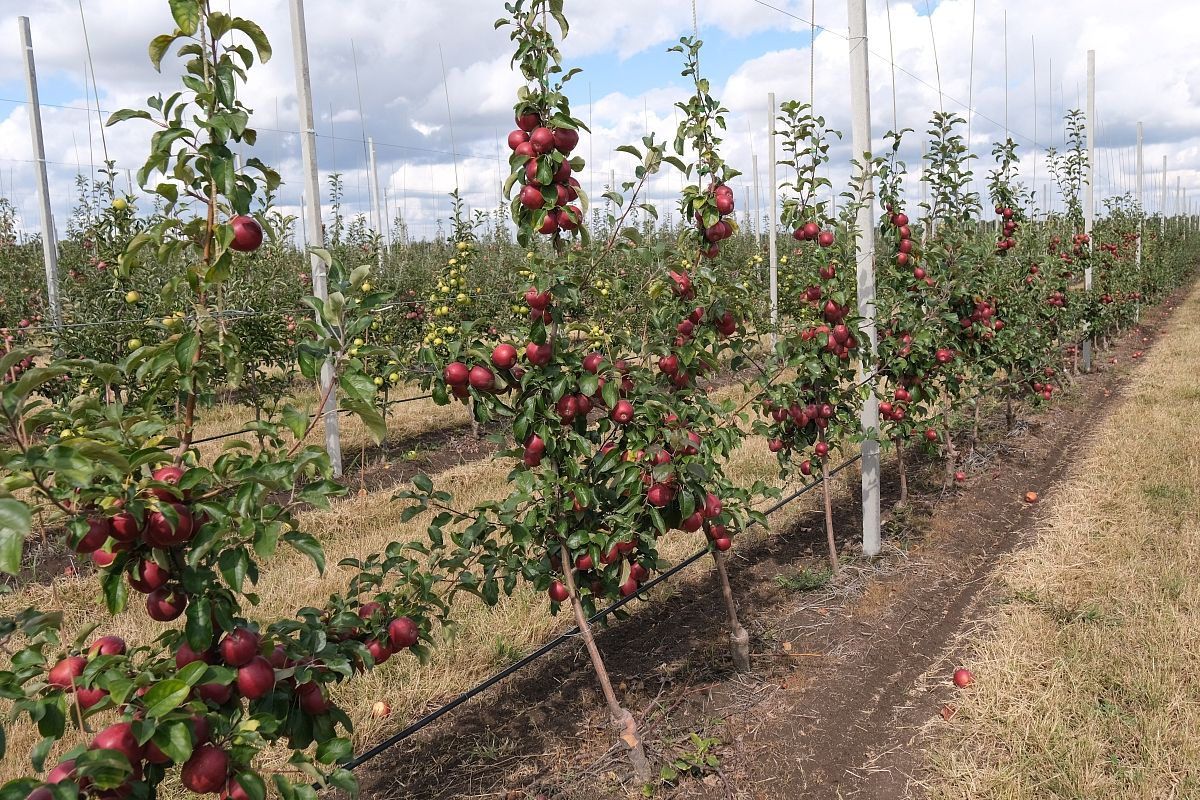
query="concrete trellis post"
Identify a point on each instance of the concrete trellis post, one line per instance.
(860, 130)
(376, 205)
(312, 189)
(772, 243)
(49, 237)
(1141, 205)
(757, 202)
(1089, 209)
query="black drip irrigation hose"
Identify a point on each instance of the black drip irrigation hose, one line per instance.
(566, 636)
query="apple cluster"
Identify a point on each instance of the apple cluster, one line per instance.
(812, 232)
(722, 229)
(1006, 241)
(548, 190)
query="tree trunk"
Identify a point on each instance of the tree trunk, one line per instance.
(739, 640)
(829, 537)
(622, 720)
(951, 453)
(903, 472)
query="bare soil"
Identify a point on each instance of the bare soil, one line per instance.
(844, 676)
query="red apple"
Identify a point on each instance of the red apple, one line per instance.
(963, 678)
(403, 632)
(64, 673)
(186, 655)
(622, 412)
(247, 234)
(455, 373)
(504, 356)
(206, 771)
(107, 646)
(516, 138)
(565, 140)
(162, 532)
(239, 646)
(165, 604)
(535, 448)
(531, 197)
(660, 495)
(170, 475)
(558, 592)
(99, 529)
(528, 121)
(312, 698)
(256, 678)
(145, 576)
(542, 140)
(119, 736)
(481, 379)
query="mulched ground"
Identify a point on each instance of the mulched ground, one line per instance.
(844, 676)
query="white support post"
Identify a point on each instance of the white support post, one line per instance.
(1162, 205)
(860, 143)
(49, 237)
(376, 205)
(1089, 209)
(772, 243)
(312, 187)
(758, 226)
(1141, 199)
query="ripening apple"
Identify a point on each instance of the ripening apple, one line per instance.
(481, 379)
(64, 673)
(539, 354)
(660, 495)
(558, 592)
(531, 197)
(170, 474)
(312, 698)
(542, 140)
(107, 646)
(247, 234)
(565, 140)
(403, 633)
(99, 529)
(622, 412)
(119, 737)
(381, 709)
(239, 646)
(456, 373)
(963, 678)
(165, 604)
(504, 356)
(206, 771)
(255, 678)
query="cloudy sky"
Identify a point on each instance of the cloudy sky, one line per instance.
(1148, 69)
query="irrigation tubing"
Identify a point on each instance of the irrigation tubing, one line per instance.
(566, 636)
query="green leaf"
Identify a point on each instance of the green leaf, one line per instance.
(127, 113)
(15, 522)
(370, 417)
(174, 739)
(307, 545)
(116, 593)
(186, 14)
(257, 38)
(166, 696)
(158, 48)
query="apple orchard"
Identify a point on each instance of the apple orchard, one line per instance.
(586, 342)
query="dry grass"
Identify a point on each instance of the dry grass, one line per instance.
(366, 523)
(1086, 683)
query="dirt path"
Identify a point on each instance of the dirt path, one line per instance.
(844, 677)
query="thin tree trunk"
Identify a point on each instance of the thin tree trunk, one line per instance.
(951, 453)
(622, 720)
(903, 471)
(829, 537)
(1009, 417)
(739, 640)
